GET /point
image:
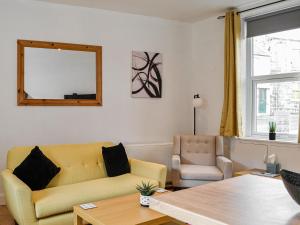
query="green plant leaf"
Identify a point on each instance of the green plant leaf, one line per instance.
(146, 189)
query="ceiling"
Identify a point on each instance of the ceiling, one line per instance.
(180, 10)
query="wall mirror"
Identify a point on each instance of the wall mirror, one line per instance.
(59, 74)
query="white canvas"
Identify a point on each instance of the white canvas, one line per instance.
(146, 75)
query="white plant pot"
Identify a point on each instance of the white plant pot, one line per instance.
(144, 200)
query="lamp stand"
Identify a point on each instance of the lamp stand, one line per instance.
(194, 121)
(197, 102)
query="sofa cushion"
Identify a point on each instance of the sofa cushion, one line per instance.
(116, 161)
(61, 199)
(196, 172)
(36, 170)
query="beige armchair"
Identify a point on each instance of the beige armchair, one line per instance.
(199, 160)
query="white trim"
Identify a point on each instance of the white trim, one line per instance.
(253, 100)
(270, 77)
(271, 8)
(148, 144)
(249, 88)
(2, 199)
(256, 139)
(243, 78)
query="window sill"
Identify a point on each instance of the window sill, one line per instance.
(267, 141)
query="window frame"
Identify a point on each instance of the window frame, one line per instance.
(251, 93)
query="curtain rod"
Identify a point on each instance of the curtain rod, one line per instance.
(257, 7)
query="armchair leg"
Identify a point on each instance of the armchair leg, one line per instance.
(175, 178)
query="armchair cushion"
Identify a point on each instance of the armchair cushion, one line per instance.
(198, 150)
(196, 172)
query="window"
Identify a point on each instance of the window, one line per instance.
(274, 81)
(262, 100)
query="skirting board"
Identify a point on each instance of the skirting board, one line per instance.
(2, 199)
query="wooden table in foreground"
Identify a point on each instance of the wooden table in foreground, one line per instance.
(244, 200)
(125, 210)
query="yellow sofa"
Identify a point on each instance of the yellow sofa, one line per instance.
(82, 179)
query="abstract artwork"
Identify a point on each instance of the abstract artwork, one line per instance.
(146, 75)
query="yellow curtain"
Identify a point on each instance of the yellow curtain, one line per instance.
(231, 114)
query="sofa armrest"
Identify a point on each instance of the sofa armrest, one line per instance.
(176, 170)
(225, 165)
(18, 199)
(150, 170)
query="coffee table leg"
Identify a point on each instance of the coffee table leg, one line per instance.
(78, 220)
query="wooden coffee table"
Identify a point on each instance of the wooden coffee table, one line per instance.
(125, 210)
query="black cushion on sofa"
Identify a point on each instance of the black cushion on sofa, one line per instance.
(36, 170)
(115, 160)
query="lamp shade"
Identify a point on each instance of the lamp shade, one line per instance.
(197, 102)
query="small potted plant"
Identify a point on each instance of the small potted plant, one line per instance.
(272, 131)
(146, 190)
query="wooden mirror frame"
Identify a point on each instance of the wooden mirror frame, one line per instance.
(22, 101)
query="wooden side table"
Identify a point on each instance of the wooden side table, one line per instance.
(250, 171)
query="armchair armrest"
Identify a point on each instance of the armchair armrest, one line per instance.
(176, 162)
(176, 170)
(18, 199)
(150, 170)
(225, 165)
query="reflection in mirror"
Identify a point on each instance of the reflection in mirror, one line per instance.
(59, 74)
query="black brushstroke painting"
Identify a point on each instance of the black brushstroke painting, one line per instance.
(146, 79)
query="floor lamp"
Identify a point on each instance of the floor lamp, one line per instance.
(197, 103)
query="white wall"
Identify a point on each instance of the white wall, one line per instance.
(207, 77)
(250, 154)
(155, 152)
(121, 118)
